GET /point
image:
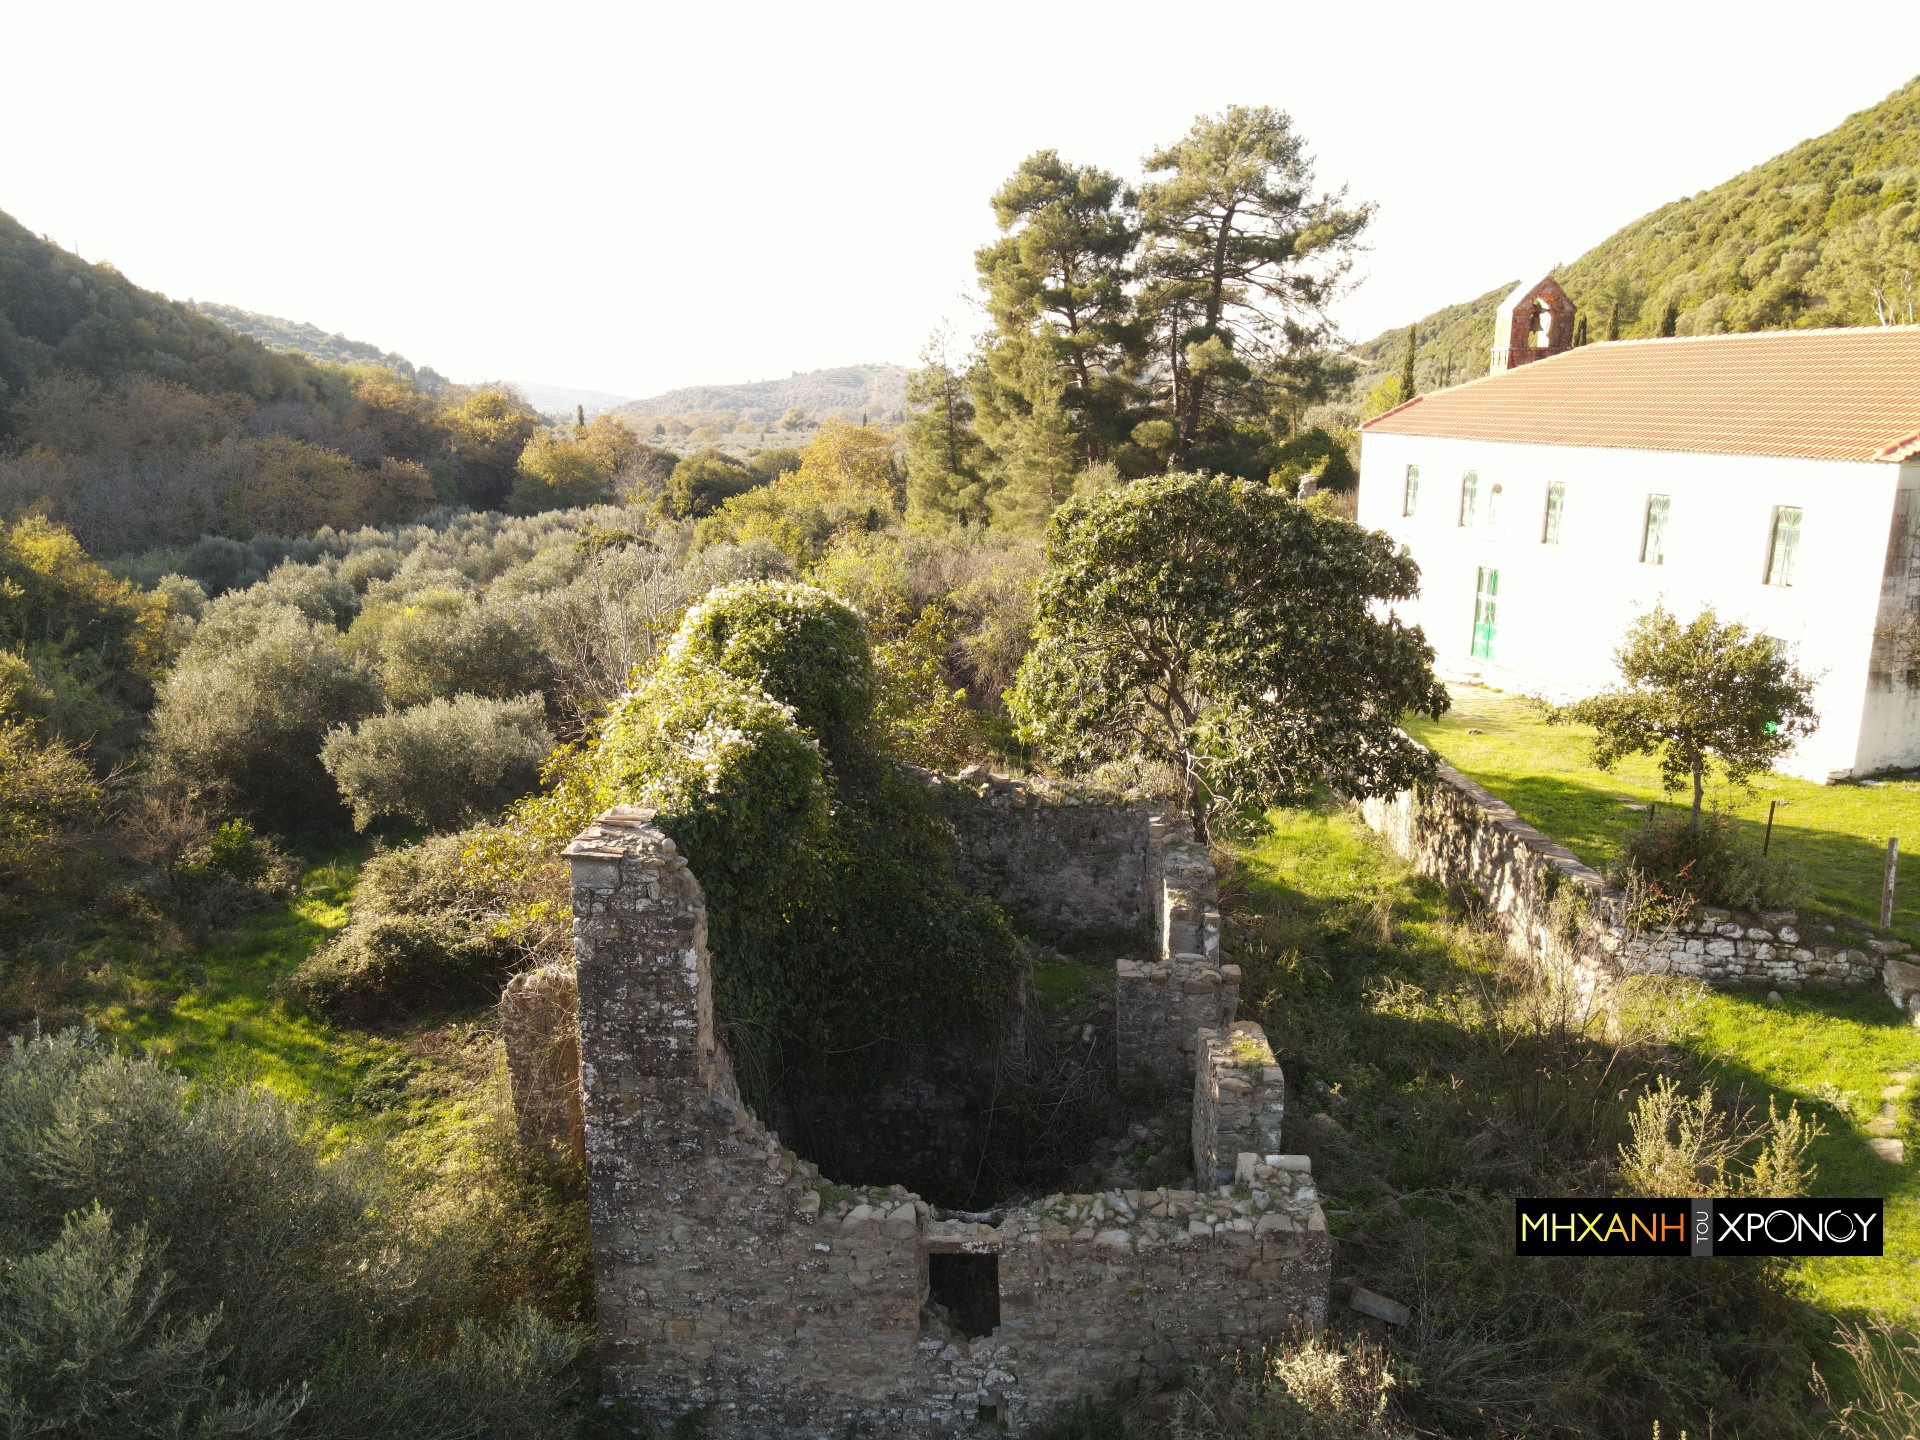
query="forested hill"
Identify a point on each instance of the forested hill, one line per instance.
(301, 338)
(57, 311)
(877, 391)
(1826, 234)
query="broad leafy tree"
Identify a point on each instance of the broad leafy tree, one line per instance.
(1701, 694)
(1242, 637)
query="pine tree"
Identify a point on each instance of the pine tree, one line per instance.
(947, 462)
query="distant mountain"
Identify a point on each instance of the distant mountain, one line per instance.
(562, 400)
(876, 391)
(1826, 234)
(297, 337)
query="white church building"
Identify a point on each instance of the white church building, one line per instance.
(1773, 476)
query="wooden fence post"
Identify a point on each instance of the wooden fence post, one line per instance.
(1886, 885)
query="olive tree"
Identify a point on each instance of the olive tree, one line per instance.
(1709, 692)
(1219, 626)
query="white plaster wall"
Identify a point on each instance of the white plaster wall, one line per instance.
(1890, 727)
(1563, 608)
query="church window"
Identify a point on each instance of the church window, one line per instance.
(1411, 495)
(1653, 536)
(1556, 506)
(1784, 547)
(1469, 495)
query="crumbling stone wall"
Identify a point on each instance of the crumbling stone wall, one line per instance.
(1065, 868)
(733, 1281)
(543, 1059)
(1163, 1002)
(1552, 906)
(1239, 1103)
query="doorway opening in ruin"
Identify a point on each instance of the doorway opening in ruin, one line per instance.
(967, 1287)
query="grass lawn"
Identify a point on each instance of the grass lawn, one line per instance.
(1838, 833)
(1832, 1054)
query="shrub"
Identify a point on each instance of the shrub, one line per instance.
(425, 930)
(707, 479)
(442, 764)
(184, 1258)
(231, 871)
(797, 643)
(386, 962)
(49, 802)
(245, 726)
(1312, 1389)
(440, 644)
(1709, 862)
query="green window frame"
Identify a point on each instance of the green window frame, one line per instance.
(1410, 496)
(1653, 535)
(1469, 496)
(1556, 507)
(1783, 544)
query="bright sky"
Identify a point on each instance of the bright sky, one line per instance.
(629, 197)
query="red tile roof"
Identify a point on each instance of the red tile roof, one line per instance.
(1818, 394)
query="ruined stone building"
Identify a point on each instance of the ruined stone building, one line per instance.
(739, 1285)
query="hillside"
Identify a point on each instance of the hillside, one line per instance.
(850, 391)
(1827, 233)
(300, 338)
(57, 311)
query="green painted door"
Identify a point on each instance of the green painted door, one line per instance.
(1486, 593)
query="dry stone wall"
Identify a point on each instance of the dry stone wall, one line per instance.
(1239, 1103)
(543, 1059)
(1062, 867)
(735, 1283)
(1560, 910)
(1161, 1003)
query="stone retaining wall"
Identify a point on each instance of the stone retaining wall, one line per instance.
(1552, 906)
(734, 1282)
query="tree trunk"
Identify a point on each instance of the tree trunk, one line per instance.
(1699, 787)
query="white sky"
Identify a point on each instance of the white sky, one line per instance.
(633, 197)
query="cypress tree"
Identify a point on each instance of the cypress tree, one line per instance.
(1670, 319)
(1613, 320)
(1579, 330)
(1406, 368)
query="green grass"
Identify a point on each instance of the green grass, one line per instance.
(1838, 833)
(1824, 1052)
(210, 1011)
(1457, 1082)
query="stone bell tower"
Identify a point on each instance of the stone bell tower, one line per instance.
(1534, 323)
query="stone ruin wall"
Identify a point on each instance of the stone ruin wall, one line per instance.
(1551, 905)
(733, 1280)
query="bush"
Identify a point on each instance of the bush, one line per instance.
(245, 727)
(231, 871)
(1673, 860)
(185, 1259)
(442, 764)
(385, 962)
(707, 479)
(49, 803)
(424, 931)
(1308, 1390)
(797, 643)
(438, 643)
